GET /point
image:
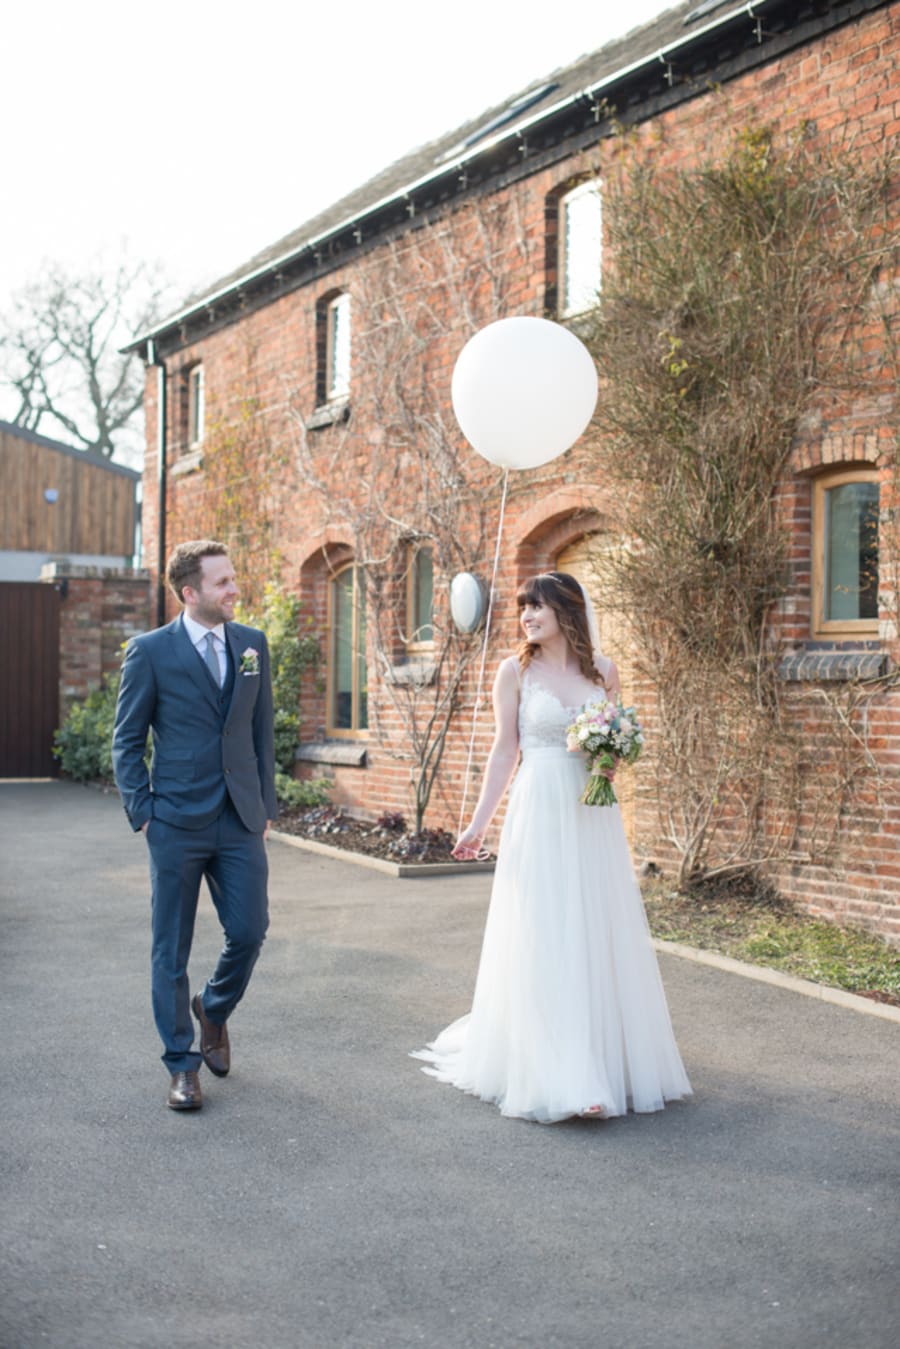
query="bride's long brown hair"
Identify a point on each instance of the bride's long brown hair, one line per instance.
(562, 593)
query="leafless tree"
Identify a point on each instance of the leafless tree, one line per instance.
(60, 354)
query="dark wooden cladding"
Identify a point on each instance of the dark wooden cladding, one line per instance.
(93, 513)
(29, 679)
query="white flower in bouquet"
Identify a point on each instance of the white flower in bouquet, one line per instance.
(609, 734)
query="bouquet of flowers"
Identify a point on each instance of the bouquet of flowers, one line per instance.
(609, 734)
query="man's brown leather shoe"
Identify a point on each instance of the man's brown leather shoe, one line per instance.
(184, 1092)
(214, 1044)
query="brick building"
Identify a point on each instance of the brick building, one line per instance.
(301, 408)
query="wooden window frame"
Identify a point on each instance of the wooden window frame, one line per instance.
(332, 402)
(338, 305)
(594, 187)
(196, 406)
(415, 647)
(844, 629)
(354, 731)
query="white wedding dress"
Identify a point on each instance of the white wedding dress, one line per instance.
(569, 1010)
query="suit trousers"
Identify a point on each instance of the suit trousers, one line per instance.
(236, 868)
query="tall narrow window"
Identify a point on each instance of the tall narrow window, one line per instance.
(337, 356)
(580, 249)
(196, 408)
(845, 555)
(348, 679)
(420, 598)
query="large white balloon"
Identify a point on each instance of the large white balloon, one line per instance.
(523, 390)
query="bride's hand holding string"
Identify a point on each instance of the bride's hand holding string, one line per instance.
(469, 846)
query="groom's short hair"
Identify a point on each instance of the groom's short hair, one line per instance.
(185, 566)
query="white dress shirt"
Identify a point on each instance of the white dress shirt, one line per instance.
(198, 634)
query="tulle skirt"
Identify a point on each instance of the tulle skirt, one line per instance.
(569, 1010)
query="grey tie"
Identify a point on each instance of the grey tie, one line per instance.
(212, 660)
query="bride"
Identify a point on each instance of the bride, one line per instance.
(569, 1015)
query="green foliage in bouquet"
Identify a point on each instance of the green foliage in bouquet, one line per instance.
(608, 734)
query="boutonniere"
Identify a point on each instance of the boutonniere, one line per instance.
(250, 662)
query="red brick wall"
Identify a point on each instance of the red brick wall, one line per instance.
(845, 87)
(853, 872)
(101, 609)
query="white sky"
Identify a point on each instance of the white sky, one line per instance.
(197, 133)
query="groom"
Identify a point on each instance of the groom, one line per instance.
(201, 686)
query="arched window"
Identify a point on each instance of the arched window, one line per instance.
(348, 711)
(845, 554)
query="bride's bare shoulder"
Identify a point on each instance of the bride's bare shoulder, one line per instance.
(606, 669)
(510, 671)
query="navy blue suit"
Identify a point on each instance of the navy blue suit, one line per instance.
(208, 794)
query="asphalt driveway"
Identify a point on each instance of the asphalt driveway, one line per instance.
(330, 1194)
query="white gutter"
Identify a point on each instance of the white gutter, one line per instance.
(749, 7)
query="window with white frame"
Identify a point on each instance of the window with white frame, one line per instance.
(580, 248)
(420, 597)
(337, 348)
(348, 712)
(196, 406)
(845, 554)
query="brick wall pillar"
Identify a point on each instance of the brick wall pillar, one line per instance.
(101, 608)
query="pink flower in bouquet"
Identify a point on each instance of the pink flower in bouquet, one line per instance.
(608, 734)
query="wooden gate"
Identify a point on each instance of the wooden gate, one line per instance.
(29, 678)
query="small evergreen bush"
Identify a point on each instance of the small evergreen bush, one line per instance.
(293, 794)
(83, 744)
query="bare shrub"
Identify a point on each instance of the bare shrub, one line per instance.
(735, 301)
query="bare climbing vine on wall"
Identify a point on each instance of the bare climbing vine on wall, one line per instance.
(412, 482)
(738, 298)
(235, 496)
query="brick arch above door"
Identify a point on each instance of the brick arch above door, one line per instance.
(552, 524)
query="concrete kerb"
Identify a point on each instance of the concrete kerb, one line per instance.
(404, 870)
(761, 973)
(764, 975)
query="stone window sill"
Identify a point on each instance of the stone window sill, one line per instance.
(819, 667)
(329, 414)
(342, 753)
(191, 462)
(412, 673)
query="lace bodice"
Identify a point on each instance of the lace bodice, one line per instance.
(543, 717)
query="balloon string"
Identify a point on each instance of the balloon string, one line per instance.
(487, 633)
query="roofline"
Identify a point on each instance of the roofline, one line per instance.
(88, 456)
(748, 7)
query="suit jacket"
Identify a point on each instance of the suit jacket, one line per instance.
(206, 745)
